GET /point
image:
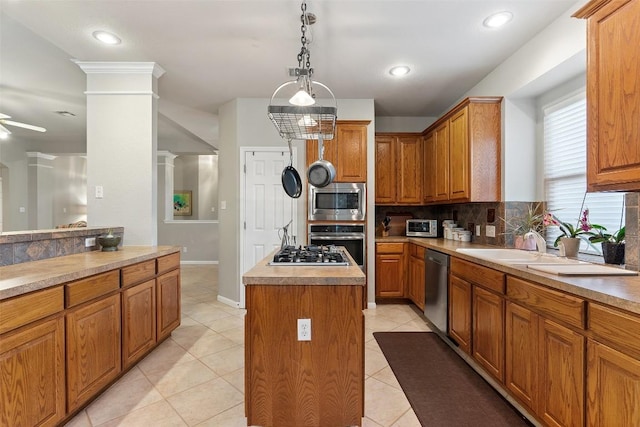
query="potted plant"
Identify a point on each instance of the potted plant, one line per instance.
(520, 225)
(570, 237)
(613, 244)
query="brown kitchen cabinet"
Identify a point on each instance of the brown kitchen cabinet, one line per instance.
(613, 101)
(168, 303)
(138, 321)
(545, 352)
(460, 312)
(399, 158)
(465, 163)
(94, 355)
(478, 313)
(32, 366)
(430, 164)
(347, 151)
(416, 288)
(390, 270)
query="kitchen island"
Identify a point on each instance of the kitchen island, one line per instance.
(316, 382)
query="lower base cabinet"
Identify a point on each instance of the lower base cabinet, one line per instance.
(545, 366)
(416, 289)
(32, 371)
(460, 312)
(138, 321)
(613, 387)
(488, 331)
(94, 355)
(168, 303)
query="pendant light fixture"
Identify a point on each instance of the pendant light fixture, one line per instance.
(303, 114)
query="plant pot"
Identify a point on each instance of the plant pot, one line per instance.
(569, 246)
(613, 253)
(528, 244)
(109, 242)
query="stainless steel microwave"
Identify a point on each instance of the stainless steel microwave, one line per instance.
(338, 201)
(422, 227)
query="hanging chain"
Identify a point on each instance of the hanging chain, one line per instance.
(305, 53)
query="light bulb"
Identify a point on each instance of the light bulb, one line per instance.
(498, 19)
(107, 38)
(307, 120)
(302, 99)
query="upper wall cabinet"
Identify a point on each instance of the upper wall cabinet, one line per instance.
(613, 94)
(347, 151)
(399, 168)
(462, 153)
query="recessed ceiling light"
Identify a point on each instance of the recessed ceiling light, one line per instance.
(106, 38)
(497, 19)
(399, 71)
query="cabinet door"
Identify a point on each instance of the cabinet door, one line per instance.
(32, 367)
(488, 331)
(613, 387)
(561, 371)
(385, 170)
(459, 155)
(429, 170)
(409, 170)
(390, 275)
(416, 281)
(138, 321)
(460, 312)
(441, 136)
(168, 303)
(93, 349)
(351, 153)
(521, 362)
(613, 101)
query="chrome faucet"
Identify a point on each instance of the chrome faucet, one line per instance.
(541, 243)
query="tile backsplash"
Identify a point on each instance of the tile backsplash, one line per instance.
(23, 246)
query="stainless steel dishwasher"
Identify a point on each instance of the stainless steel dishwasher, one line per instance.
(436, 288)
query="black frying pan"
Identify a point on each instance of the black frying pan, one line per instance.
(291, 181)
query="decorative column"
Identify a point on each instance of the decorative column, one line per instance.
(165, 184)
(122, 114)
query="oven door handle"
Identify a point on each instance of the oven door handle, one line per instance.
(340, 237)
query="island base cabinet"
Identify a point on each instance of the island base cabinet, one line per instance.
(32, 371)
(613, 387)
(94, 356)
(304, 383)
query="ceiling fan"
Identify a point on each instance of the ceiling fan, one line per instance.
(4, 132)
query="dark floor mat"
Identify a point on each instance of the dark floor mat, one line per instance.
(441, 388)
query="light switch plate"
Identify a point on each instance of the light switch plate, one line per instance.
(478, 230)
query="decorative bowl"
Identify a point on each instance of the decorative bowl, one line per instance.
(109, 242)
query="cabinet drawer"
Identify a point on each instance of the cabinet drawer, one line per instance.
(24, 309)
(612, 326)
(563, 307)
(389, 248)
(478, 275)
(417, 251)
(138, 272)
(168, 262)
(91, 287)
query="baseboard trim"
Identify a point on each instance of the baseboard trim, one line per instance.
(228, 302)
(199, 262)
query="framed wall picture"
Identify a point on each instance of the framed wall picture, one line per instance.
(182, 203)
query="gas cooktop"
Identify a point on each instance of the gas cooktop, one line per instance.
(310, 256)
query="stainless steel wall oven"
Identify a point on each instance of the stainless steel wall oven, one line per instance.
(351, 236)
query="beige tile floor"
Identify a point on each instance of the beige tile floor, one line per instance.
(196, 377)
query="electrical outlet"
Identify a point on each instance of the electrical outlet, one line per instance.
(478, 230)
(491, 231)
(304, 329)
(184, 249)
(89, 241)
(99, 191)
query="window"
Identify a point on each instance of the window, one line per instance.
(565, 179)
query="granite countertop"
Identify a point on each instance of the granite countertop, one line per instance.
(18, 279)
(617, 291)
(264, 274)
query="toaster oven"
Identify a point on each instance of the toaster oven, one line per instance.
(422, 228)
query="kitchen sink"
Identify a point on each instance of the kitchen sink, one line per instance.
(517, 256)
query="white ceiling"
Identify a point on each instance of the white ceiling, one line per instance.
(214, 51)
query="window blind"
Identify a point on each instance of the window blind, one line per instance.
(565, 179)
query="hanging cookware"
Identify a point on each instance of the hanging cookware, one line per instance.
(321, 172)
(291, 181)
